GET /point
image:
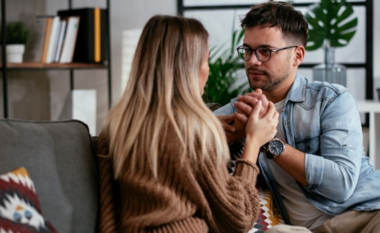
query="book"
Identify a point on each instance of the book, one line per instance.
(70, 39)
(49, 22)
(38, 39)
(53, 40)
(61, 37)
(91, 43)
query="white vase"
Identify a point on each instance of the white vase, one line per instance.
(15, 53)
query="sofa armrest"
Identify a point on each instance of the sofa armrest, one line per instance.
(59, 160)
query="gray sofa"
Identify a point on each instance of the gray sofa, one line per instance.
(60, 159)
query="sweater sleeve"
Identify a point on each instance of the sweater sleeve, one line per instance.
(107, 215)
(233, 200)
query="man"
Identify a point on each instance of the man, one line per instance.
(315, 167)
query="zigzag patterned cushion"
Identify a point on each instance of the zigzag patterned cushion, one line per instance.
(19, 206)
(268, 216)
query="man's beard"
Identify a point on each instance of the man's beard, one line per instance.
(269, 83)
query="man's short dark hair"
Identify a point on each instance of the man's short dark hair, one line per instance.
(278, 14)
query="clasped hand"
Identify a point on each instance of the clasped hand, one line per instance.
(255, 115)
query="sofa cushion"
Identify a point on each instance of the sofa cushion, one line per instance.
(19, 206)
(59, 160)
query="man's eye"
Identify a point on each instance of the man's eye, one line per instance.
(264, 51)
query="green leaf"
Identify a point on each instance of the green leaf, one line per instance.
(331, 22)
(17, 33)
(224, 63)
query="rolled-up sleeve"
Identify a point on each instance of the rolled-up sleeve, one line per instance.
(335, 172)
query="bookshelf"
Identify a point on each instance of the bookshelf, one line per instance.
(45, 66)
(30, 66)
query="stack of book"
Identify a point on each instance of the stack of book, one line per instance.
(75, 35)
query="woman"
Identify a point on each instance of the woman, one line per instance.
(168, 150)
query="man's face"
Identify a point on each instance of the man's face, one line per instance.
(276, 72)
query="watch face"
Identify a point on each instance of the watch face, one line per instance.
(276, 147)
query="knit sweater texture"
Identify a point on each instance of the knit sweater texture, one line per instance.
(183, 198)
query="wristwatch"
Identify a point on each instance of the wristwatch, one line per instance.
(273, 148)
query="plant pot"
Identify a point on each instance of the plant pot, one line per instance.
(15, 53)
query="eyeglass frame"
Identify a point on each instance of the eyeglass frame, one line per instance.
(255, 50)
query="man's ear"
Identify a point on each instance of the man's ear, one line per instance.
(299, 55)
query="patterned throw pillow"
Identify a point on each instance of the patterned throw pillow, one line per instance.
(268, 216)
(19, 206)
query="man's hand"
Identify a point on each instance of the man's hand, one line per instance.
(232, 133)
(235, 125)
(227, 122)
(246, 104)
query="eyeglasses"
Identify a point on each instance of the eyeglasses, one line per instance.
(262, 54)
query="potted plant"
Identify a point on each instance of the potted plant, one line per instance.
(221, 86)
(332, 24)
(17, 35)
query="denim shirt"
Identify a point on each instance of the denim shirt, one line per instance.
(322, 120)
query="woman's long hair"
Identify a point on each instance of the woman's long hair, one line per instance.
(163, 92)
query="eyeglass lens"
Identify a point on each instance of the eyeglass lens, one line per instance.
(262, 54)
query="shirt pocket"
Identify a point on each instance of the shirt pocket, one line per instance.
(309, 145)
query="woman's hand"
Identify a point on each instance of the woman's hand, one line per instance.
(262, 129)
(259, 130)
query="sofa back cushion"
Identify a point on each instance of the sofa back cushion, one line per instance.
(59, 160)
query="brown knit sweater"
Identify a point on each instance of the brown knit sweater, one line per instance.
(182, 199)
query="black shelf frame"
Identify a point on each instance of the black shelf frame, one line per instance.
(5, 69)
(368, 65)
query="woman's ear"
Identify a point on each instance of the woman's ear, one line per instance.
(299, 55)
